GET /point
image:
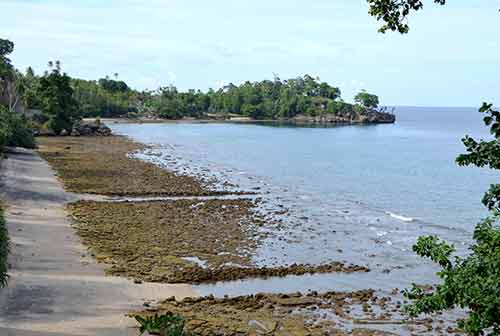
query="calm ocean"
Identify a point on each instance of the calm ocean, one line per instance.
(362, 194)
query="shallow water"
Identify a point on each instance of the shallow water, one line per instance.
(361, 194)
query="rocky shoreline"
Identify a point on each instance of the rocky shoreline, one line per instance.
(373, 117)
(100, 165)
(173, 241)
(202, 241)
(362, 313)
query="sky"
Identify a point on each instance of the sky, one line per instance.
(451, 57)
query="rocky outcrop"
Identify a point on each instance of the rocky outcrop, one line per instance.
(79, 129)
(377, 118)
(372, 117)
(91, 128)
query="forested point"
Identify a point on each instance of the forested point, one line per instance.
(54, 102)
(301, 97)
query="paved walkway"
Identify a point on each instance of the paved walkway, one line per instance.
(56, 288)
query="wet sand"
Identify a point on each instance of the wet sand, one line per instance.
(56, 287)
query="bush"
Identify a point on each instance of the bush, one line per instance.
(15, 130)
(4, 250)
(5, 128)
(58, 104)
(22, 134)
(472, 282)
(168, 324)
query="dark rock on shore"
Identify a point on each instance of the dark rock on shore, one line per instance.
(370, 117)
(378, 118)
(80, 129)
(281, 314)
(91, 128)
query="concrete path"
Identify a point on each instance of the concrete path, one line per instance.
(55, 287)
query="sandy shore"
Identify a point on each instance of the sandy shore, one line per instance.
(56, 288)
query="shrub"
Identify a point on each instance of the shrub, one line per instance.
(472, 282)
(5, 128)
(168, 324)
(4, 250)
(22, 134)
(15, 130)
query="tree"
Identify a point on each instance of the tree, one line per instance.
(6, 48)
(58, 103)
(14, 130)
(395, 13)
(472, 282)
(113, 85)
(11, 81)
(367, 100)
(14, 89)
(31, 87)
(170, 109)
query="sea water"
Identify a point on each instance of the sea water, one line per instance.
(357, 193)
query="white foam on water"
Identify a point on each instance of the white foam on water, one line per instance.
(400, 217)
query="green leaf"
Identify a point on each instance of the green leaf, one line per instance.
(485, 107)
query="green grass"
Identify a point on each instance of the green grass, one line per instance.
(168, 324)
(4, 249)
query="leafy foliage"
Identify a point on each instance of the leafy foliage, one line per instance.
(113, 85)
(258, 100)
(21, 134)
(5, 127)
(4, 250)
(58, 103)
(168, 324)
(104, 98)
(395, 12)
(485, 154)
(471, 282)
(14, 130)
(6, 48)
(266, 99)
(368, 100)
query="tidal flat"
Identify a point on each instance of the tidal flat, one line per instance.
(181, 241)
(198, 239)
(100, 165)
(172, 241)
(362, 313)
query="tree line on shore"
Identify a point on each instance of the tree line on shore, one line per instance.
(267, 99)
(64, 100)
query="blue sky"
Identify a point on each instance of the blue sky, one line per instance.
(450, 58)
